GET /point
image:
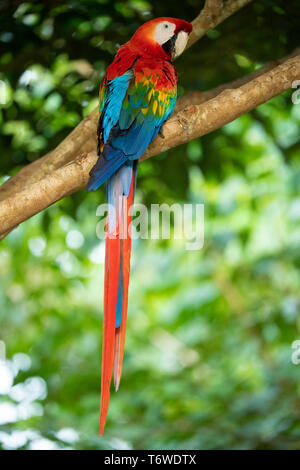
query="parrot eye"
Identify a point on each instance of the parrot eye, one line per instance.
(163, 32)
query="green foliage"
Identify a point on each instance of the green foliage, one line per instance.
(208, 349)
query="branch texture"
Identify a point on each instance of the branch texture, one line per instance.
(66, 169)
(81, 139)
(186, 124)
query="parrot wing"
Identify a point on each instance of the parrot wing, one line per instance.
(133, 108)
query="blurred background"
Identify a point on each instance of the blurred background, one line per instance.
(208, 349)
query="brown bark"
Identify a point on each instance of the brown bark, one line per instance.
(81, 139)
(213, 13)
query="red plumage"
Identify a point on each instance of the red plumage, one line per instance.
(118, 250)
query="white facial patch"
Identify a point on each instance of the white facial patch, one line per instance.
(181, 43)
(163, 32)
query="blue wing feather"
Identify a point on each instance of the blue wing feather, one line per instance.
(117, 90)
(130, 121)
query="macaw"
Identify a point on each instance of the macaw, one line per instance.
(137, 95)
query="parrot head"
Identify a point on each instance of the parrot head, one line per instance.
(162, 37)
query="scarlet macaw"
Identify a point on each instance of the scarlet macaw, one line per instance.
(137, 95)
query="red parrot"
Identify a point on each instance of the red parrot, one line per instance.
(137, 95)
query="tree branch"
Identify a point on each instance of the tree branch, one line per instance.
(81, 139)
(186, 124)
(212, 14)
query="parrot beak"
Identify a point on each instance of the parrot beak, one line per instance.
(180, 43)
(169, 46)
(176, 44)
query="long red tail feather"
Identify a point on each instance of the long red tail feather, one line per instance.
(112, 263)
(126, 251)
(117, 253)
